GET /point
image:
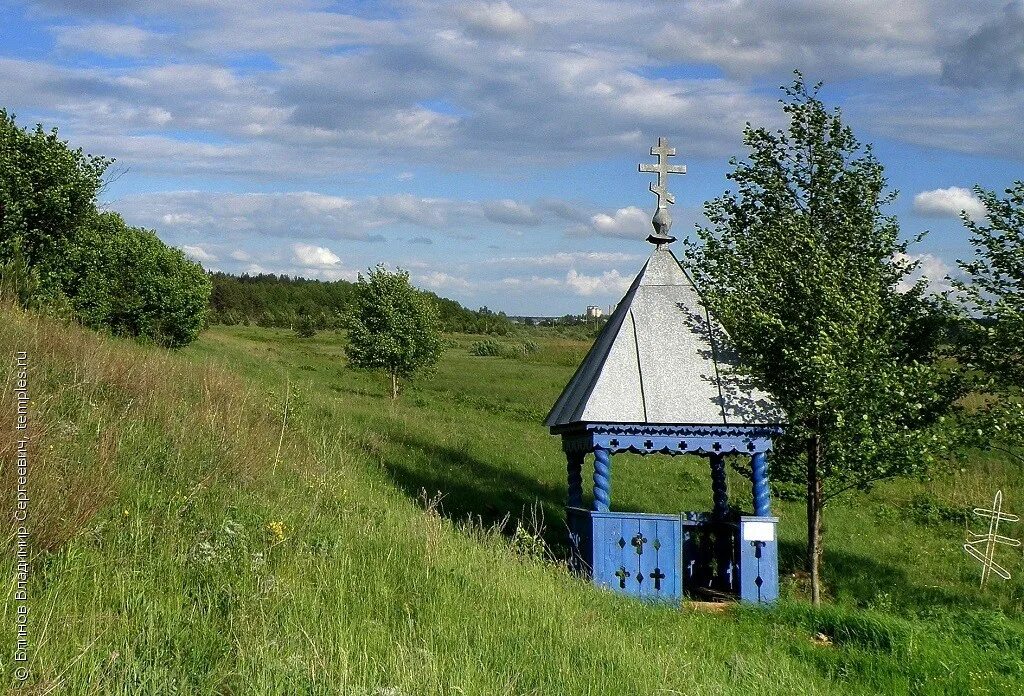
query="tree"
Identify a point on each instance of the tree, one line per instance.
(393, 327)
(47, 191)
(58, 250)
(992, 300)
(803, 269)
(126, 280)
(994, 293)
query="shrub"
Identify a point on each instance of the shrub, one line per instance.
(126, 280)
(59, 252)
(18, 281)
(306, 326)
(488, 347)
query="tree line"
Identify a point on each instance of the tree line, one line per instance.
(309, 305)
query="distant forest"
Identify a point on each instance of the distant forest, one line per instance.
(267, 299)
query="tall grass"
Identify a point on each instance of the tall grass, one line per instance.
(190, 539)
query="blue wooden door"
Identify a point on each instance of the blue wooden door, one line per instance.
(638, 555)
(658, 571)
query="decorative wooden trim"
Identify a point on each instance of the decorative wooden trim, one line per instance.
(668, 439)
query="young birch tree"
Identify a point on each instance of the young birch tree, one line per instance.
(994, 292)
(393, 327)
(808, 274)
(992, 297)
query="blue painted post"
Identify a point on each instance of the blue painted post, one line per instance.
(720, 512)
(759, 560)
(718, 487)
(575, 477)
(762, 494)
(602, 479)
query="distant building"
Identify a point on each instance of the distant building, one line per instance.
(594, 312)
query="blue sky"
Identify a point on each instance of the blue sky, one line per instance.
(491, 147)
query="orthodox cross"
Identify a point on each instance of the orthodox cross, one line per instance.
(994, 515)
(662, 221)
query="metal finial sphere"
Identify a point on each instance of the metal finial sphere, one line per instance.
(662, 221)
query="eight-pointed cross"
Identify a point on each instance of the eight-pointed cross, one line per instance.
(663, 169)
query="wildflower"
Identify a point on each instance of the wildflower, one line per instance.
(277, 530)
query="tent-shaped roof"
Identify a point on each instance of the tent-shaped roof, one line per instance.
(660, 360)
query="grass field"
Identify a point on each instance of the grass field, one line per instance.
(251, 516)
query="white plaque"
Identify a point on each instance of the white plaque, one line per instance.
(759, 531)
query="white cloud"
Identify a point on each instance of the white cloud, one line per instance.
(497, 18)
(332, 90)
(510, 212)
(929, 267)
(198, 253)
(240, 255)
(566, 259)
(282, 214)
(833, 39)
(949, 202)
(311, 256)
(629, 223)
(530, 283)
(109, 39)
(608, 282)
(238, 216)
(425, 212)
(442, 281)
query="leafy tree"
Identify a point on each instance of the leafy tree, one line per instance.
(47, 191)
(57, 250)
(393, 327)
(126, 280)
(802, 267)
(994, 293)
(992, 298)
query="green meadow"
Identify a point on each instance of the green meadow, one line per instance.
(248, 515)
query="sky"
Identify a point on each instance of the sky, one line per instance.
(491, 148)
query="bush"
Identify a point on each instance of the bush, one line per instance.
(306, 326)
(18, 281)
(489, 347)
(58, 252)
(485, 348)
(126, 280)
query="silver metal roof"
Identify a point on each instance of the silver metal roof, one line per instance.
(660, 359)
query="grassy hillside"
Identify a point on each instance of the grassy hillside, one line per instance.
(250, 516)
